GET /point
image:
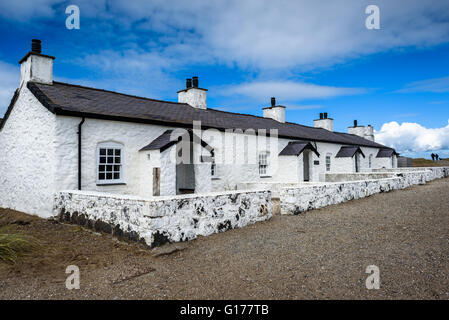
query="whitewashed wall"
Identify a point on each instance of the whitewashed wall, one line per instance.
(166, 219)
(27, 157)
(132, 136)
(297, 199)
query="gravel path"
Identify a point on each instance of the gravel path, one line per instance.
(321, 254)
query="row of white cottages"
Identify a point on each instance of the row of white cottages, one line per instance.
(57, 136)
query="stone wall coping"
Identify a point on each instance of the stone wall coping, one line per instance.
(324, 184)
(161, 198)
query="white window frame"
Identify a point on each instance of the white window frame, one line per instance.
(263, 162)
(110, 146)
(328, 164)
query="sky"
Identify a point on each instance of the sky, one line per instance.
(313, 56)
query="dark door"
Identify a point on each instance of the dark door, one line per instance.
(156, 181)
(306, 163)
(357, 164)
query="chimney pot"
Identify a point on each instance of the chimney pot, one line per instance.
(355, 123)
(195, 82)
(325, 115)
(321, 116)
(273, 101)
(188, 83)
(36, 46)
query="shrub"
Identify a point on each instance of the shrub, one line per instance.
(14, 244)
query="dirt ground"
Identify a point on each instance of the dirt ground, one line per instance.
(322, 254)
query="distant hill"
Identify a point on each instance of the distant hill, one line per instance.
(421, 162)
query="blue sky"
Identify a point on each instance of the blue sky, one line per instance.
(313, 57)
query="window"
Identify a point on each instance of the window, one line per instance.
(110, 163)
(263, 163)
(370, 161)
(328, 162)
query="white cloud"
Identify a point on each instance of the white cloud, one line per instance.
(9, 81)
(413, 137)
(285, 90)
(261, 34)
(24, 10)
(436, 85)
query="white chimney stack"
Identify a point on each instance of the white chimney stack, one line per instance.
(324, 122)
(274, 112)
(36, 66)
(362, 131)
(193, 95)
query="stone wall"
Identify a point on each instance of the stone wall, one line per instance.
(27, 157)
(163, 219)
(294, 200)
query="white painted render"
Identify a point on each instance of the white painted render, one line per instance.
(327, 124)
(276, 113)
(36, 68)
(195, 97)
(27, 158)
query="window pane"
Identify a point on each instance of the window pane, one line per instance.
(101, 176)
(101, 168)
(109, 176)
(102, 159)
(116, 175)
(117, 152)
(117, 159)
(110, 159)
(102, 152)
(110, 152)
(116, 168)
(108, 168)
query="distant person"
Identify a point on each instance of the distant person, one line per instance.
(437, 157)
(433, 156)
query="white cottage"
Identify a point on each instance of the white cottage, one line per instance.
(58, 136)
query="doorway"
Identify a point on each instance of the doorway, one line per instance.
(185, 172)
(357, 162)
(156, 181)
(306, 164)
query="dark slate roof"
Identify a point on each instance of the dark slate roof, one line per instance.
(348, 151)
(73, 100)
(165, 141)
(295, 148)
(386, 153)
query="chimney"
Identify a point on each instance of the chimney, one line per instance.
(195, 82)
(324, 122)
(274, 112)
(357, 130)
(369, 133)
(193, 95)
(35, 66)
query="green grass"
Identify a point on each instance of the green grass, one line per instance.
(15, 244)
(421, 162)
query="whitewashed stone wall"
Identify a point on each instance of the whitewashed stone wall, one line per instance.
(27, 157)
(295, 200)
(165, 219)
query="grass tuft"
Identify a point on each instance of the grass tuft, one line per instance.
(15, 244)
